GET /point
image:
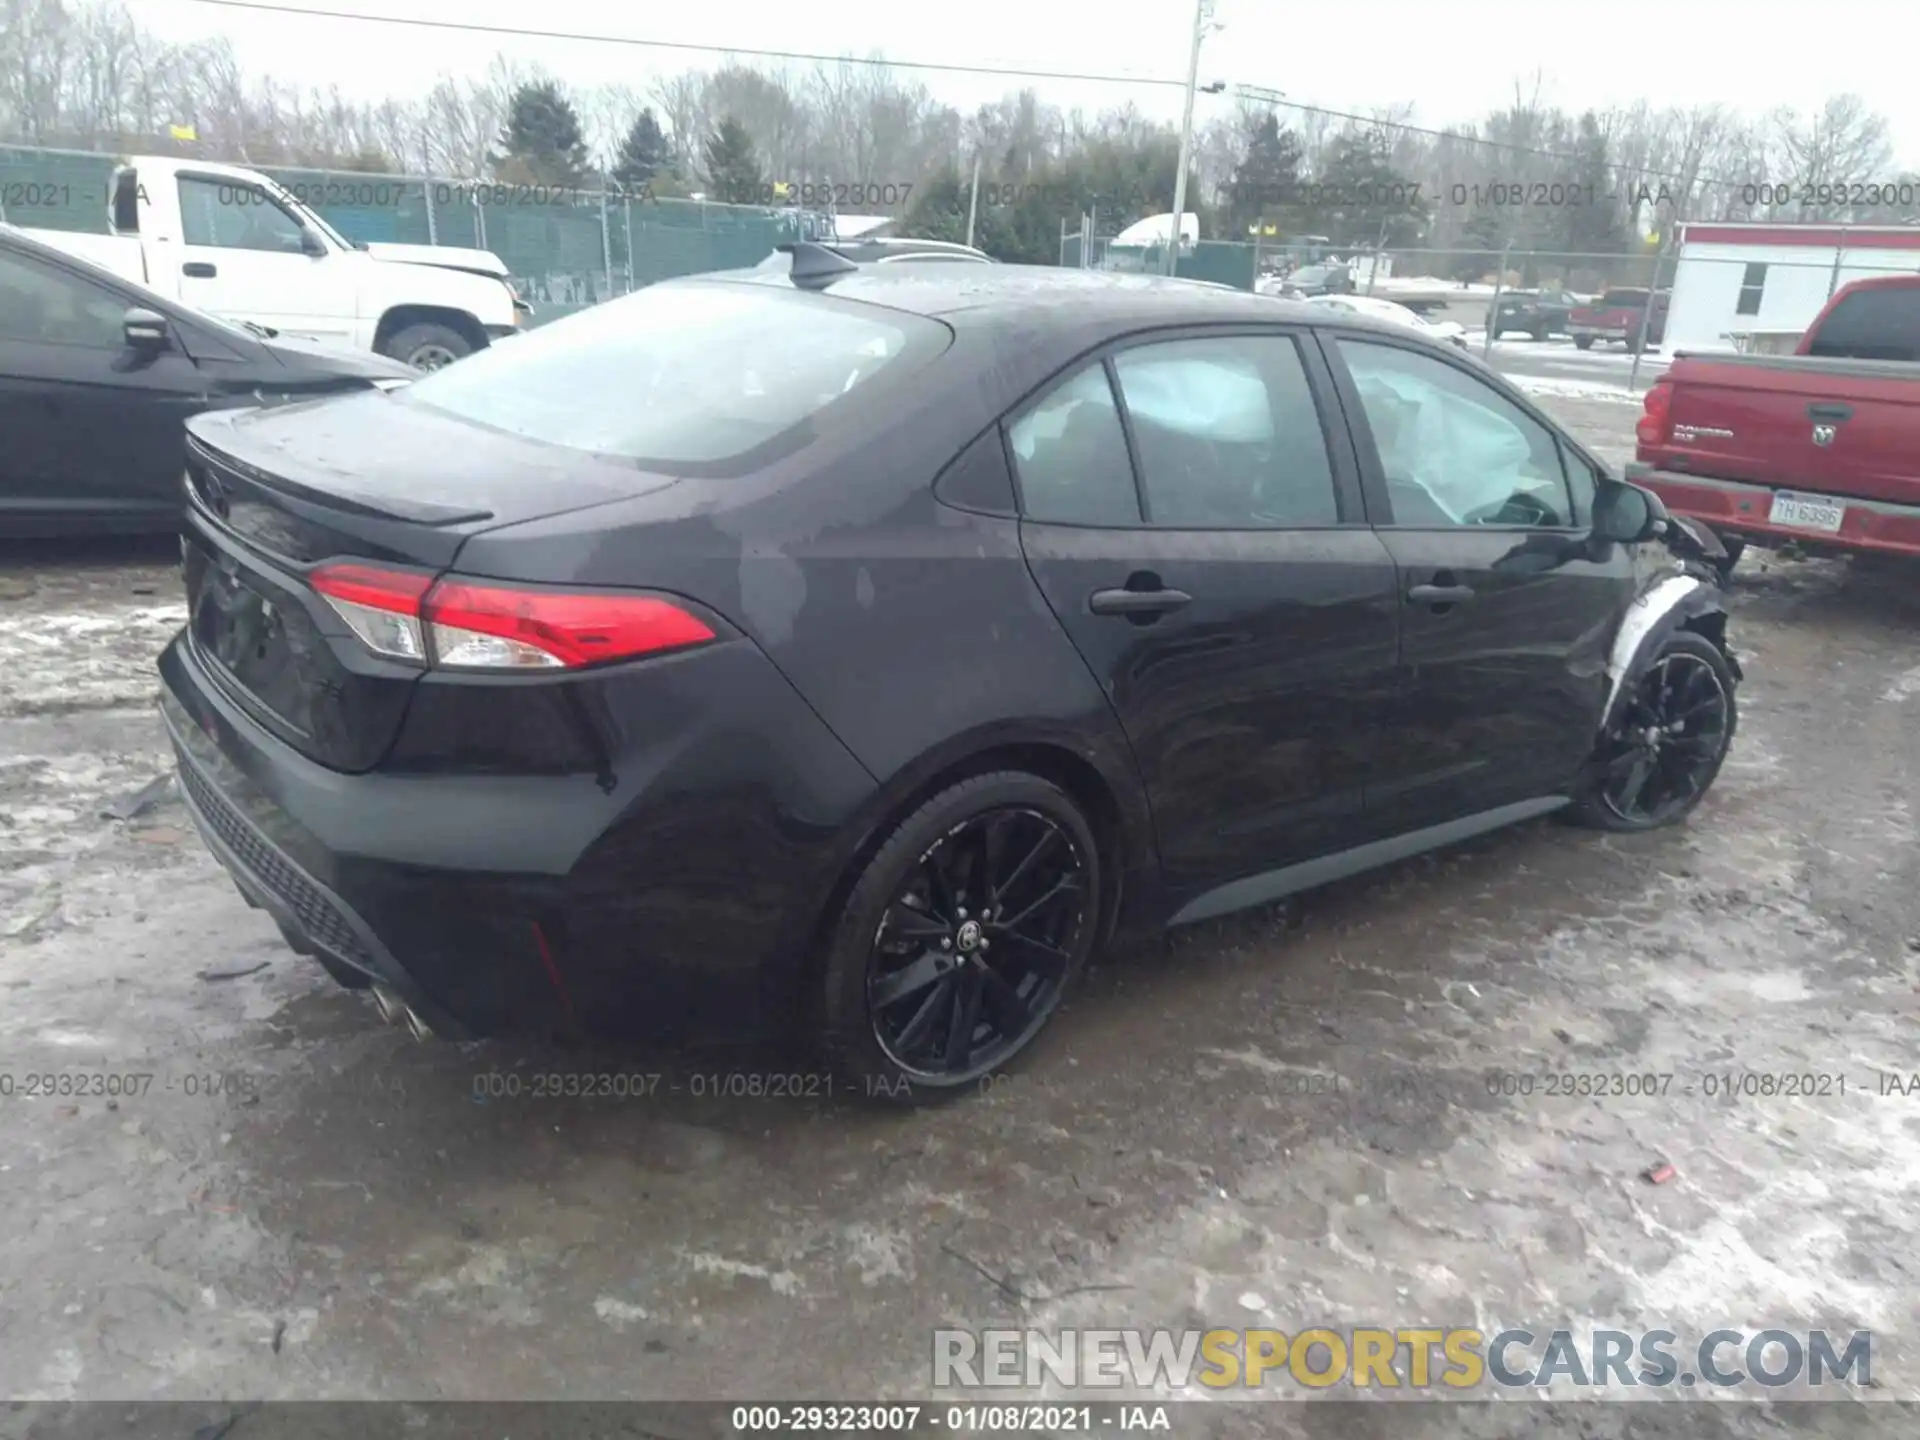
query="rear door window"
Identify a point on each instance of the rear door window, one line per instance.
(1881, 324)
(1070, 454)
(697, 376)
(1228, 434)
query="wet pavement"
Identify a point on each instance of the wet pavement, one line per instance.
(1341, 1121)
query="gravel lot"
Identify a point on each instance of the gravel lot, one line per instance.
(305, 1203)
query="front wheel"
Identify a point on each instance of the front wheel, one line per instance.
(427, 346)
(960, 938)
(1663, 753)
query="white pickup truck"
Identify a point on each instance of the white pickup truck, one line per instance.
(231, 242)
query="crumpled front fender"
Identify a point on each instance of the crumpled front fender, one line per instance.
(1680, 599)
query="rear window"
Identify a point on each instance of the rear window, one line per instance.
(690, 375)
(1624, 299)
(1882, 324)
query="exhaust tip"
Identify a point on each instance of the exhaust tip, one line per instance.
(390, 1006)
(396, 1011)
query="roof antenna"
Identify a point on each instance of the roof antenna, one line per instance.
(815, 266)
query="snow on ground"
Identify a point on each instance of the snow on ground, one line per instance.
(1575, 389)
(1427, 282)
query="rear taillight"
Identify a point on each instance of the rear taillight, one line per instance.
(1651, 428)
(382, 607)
(472, 625)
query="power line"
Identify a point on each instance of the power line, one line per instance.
(523, 32)
(1266, 97)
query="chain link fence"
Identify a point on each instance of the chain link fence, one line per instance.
(567, 247)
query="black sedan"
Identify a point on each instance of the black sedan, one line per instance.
(850, 651)
(96, 376)
(1539, 313)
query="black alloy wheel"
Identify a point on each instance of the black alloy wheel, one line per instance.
(1675, 726)
(972, 920)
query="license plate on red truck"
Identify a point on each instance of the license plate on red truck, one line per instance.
(1807, 512)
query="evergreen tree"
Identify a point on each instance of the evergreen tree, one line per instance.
(542, 143)
(1594, 222)
(732, 171)
(1265, 184)
(1486, 232)
(643, 153)
(1360, 200)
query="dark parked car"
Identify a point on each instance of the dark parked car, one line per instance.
(96, 376)
(850, 652)
(1311, 280)
(1539, 313)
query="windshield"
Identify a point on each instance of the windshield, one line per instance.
(679, 374)
(1312, 275)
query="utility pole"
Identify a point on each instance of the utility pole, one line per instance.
(1493, 309)
(973, 202)
(1202, 22)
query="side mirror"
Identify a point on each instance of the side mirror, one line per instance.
(1626, 513)
(146, 332)
(312, 244)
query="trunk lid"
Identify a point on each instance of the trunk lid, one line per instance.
(1835, 427)
(275, 493)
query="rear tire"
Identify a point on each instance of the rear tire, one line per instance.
(911, 1010)
(1583, 342)
(1687, 693)
(427, 346)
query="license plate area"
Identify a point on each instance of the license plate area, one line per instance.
(1807, 512)
(255, 638)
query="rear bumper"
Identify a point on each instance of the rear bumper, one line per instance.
(654, 901)
(1739, 508)
(310, 915)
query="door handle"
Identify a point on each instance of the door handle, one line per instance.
(1829, 412)
(1440, 594)
(199, 270)
(1137, 602)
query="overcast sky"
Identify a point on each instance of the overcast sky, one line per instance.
(1455, 59)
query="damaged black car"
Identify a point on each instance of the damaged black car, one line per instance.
(848, 651)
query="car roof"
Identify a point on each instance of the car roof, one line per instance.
(1006, 296)
(1882, 282)
(1029, 321)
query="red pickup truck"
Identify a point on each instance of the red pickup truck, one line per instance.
(1821, 447)
(1621, 315)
